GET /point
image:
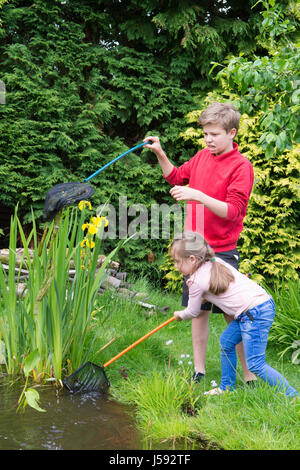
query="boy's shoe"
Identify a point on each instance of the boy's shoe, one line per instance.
(196, 377)
(215, 391)
(251, 383)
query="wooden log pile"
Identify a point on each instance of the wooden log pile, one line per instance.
(114, 279)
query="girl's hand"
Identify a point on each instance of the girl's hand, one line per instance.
(177, 316)
(184, 193)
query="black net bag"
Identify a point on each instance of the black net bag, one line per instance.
(65, 194)
(88, 378)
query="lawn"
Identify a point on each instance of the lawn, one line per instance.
(154, 377)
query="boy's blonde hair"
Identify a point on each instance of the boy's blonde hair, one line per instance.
(224, 114)
(192, 243)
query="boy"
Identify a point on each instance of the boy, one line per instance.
(220, 181)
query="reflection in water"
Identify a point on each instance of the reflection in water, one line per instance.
(71, 422)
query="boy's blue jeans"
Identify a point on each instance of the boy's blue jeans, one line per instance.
(252, 328)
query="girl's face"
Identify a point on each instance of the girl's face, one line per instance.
(184, 265)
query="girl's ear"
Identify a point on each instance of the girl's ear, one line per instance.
(193, 259)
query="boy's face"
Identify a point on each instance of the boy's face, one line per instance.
(218, 141)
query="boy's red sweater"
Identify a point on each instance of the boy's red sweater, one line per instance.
(229, 178)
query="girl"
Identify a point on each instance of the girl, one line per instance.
(251, 306)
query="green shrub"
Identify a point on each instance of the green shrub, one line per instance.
(265, 90)
(269, 242)
(285, 331)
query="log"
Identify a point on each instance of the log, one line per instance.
(4, 258)
(114, 279)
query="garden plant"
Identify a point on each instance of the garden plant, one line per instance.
(47, 326)
(82, 82)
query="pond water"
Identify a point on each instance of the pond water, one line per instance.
(71, 422)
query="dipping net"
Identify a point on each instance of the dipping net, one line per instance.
(88, 378)
(65, 194)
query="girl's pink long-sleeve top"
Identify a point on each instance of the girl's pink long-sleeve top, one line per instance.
(242, 294)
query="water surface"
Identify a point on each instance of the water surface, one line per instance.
(71, 422)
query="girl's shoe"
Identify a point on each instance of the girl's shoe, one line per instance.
(215, 391)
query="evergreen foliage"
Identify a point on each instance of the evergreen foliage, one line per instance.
(86, 80)
(266, 91)
(269, 242)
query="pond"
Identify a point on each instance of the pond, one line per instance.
(71, 422)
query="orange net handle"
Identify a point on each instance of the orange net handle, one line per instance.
(138, 341)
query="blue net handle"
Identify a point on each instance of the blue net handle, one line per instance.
(116, 159)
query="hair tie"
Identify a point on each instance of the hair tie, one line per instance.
(213, 259)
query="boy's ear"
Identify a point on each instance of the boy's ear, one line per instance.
(233, 133)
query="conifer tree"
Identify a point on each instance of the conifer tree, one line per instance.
(86, 80)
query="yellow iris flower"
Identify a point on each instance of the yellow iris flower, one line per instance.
(83, 204)
(88, 243)
(97, 221)
(95, 225)
(92, 229)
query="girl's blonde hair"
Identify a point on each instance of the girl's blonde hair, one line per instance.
(192, 243)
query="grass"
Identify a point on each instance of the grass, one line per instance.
(71, 321)
(170, 411)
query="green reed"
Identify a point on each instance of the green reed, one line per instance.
(53, 316)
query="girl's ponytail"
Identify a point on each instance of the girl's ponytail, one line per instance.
(220, 278)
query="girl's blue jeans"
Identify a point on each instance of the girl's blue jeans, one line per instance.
(252, 328)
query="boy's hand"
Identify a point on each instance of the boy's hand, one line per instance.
(184, 193)
(155, 144)
(162, 158)
(177, 316)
